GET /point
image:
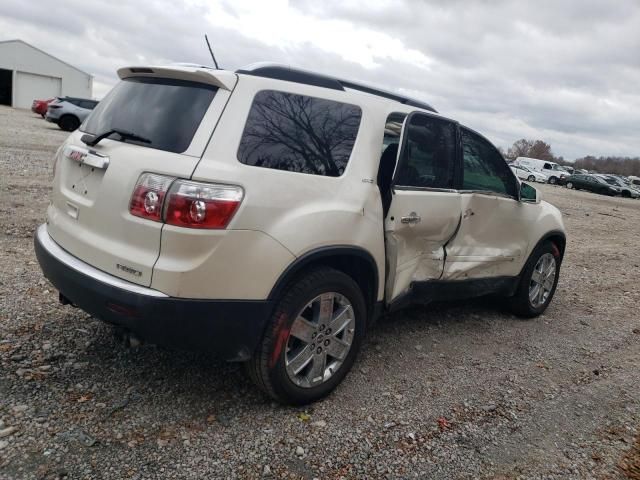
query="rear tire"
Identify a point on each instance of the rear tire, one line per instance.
(531, 178)
(68, 123)
(626, 194)
(553, 180)
(274, 366)
(569, 185)
(542, 268)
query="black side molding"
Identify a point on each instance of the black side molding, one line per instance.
(440, 290)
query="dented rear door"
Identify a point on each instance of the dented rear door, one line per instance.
(425, 209)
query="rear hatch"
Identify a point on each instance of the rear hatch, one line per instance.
(175, 111)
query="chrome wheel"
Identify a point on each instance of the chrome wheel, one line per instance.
(319, 340)
(569, 185)
(543, 279)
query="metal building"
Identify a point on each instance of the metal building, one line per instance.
(28, 73)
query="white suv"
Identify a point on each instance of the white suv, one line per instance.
(272, 214)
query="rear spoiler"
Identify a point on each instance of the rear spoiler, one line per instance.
(218, 78)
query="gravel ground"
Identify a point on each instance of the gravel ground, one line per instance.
(459, 390)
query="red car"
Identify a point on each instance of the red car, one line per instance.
(40, 106)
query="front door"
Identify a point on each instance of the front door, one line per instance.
(425, 210)
(495, 227)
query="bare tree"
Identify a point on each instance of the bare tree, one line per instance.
(299, 133)
(532, 149)
(520, 148)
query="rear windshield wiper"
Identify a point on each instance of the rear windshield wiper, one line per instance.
(93, 140)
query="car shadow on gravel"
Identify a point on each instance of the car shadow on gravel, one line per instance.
(202, 382)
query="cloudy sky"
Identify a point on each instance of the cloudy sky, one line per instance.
(567, 72)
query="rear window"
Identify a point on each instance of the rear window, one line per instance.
(167, 112)
(297, 133)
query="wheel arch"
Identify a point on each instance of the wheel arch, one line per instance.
(557, 237)
(356, 262)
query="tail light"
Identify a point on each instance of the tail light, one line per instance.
(202, 205)
(148, 196)
(184, 203)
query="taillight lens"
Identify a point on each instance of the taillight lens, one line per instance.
(148, 196)
(184, 203)
(202, 205)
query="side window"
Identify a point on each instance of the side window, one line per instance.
(484, 168)
(296, 133)
(392, 130)
(547, 166)
(428, 158)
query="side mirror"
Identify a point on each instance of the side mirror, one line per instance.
(528, 193)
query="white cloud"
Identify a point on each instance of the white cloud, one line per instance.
(566, 72)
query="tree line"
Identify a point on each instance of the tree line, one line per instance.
(542, 150)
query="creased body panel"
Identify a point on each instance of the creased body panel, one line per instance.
(496, 236)
(415, 251)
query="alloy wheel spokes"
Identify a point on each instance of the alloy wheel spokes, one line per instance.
(542, 280)
(320, 339)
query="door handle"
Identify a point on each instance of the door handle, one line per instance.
(412, 218)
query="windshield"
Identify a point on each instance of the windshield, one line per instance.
(167, 112)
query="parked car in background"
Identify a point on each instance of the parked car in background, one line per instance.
(186, 210)
(40, 106)
(524, 173)
(626, 190)
(591, 183)
(634, 180)
(555, 173)
(69, 112)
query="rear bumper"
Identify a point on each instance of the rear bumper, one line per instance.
(229, 328)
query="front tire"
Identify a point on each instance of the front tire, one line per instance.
(531, 178)
(569, 185)
(538, 282)
(312, 339)
(553, 180)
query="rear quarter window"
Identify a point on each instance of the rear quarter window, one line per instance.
(298, 133)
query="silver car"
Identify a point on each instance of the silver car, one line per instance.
(69, 112)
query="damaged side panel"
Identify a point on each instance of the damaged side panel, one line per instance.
(417, 228)
(492, 240)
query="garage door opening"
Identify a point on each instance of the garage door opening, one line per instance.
(6, 80)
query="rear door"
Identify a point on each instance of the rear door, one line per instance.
(494, 231)
(425, 210)
(89, 212)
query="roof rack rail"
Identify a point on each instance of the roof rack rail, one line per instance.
(283, 72)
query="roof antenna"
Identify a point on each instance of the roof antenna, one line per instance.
(211, 52)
